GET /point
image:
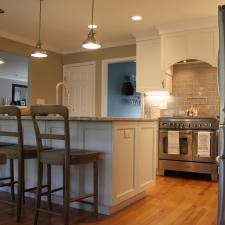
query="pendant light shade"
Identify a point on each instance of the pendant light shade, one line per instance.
(2, 61)
(91, 41)
(38, 51)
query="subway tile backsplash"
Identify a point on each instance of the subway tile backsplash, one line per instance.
(193, 85)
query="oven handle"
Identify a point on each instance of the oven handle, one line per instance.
(181, 131)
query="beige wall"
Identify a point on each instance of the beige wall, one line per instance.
(98, 56)
(45, 73)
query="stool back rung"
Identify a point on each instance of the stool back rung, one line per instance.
(8, 134)
(53, 136)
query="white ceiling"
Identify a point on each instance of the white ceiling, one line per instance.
(14, 68)
(65, 21)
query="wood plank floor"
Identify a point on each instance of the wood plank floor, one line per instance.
(172, 201)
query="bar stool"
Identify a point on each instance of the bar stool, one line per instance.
(18, 152)
(64, 157)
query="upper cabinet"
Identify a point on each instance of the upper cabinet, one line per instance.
(150, 76)
(200, 44)
(156, 54)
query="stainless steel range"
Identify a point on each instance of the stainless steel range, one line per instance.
(187, 135)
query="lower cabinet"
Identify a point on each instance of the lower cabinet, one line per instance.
(135, 149)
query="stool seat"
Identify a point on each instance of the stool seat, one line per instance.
(57, 156)
(11, 151)
(2, 159)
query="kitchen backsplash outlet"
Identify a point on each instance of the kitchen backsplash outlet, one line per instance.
(193, 85)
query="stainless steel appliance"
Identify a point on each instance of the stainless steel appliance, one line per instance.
(221, 89)
(188, 158)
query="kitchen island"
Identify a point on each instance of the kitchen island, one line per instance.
(127, 165)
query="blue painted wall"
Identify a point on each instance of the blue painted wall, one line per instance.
(120, 105)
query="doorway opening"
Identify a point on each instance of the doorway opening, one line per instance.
(119, 96)
(14, 74)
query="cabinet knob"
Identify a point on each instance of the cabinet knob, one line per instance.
(163, 84)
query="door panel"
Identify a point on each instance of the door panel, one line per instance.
(80, 81)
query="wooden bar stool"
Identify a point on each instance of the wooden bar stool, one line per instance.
(18, 152)
(64, 157)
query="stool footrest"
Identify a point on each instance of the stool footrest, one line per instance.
(34, 188)
(49, 212)
(78, 199)
(5, 178)
(52, 191)
(85, 202)
(7, 184)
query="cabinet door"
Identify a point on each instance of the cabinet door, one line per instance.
(201, 45)
(149, 73)
(146, 155)
(124, 162)
(174, 49)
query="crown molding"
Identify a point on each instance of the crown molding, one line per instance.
(144, 36)
(26, 41)
(188, 25)
(108, 45)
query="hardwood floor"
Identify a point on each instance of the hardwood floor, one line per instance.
(172, 201)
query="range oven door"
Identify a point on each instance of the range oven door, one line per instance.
(185, 140)
(213, 147)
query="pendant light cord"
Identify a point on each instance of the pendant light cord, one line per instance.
(92, 17)
(39, 33)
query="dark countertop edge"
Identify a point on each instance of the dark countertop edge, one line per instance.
(93, 119)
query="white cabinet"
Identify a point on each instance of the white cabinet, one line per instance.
(200, 44)
(150, 76)
(135, 150)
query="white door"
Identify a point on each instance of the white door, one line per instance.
(80, 81)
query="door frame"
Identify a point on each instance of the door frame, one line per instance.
(104, 88)
(93, 63)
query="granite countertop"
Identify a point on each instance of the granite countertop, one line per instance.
(74, 118)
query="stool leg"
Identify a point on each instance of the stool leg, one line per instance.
(63, 182)
(39, 189)
(12, 179)
(20, 188)
(66, 194)
(96, 188)
(49, 183)
(23, 182)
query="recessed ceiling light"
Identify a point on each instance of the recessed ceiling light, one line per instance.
(2, 11)
(136, 18)
(92, 26)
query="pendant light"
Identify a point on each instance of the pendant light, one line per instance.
(2, 61)
(38, 51)
(91, 42)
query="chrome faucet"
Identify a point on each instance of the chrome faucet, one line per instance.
(70, 107)
(57, 92)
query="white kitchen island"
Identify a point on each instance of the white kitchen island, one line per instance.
(127, 165)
